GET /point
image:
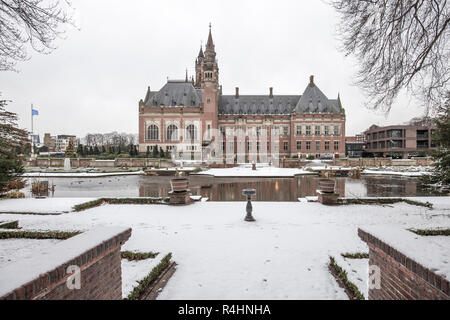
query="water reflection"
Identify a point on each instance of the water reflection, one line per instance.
(226, 189)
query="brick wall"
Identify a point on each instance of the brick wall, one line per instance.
(401, 277)
(92, 163)
(99, 263)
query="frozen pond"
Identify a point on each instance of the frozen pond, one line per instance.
(226, 189)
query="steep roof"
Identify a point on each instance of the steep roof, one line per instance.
(210, 43)
(175, 93)
(229, 104)
(314, 100)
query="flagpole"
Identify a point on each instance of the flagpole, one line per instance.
(32, 143)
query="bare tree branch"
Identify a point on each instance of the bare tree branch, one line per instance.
(399, 44)
(30, 23)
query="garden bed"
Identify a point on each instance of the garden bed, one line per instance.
(99, 202)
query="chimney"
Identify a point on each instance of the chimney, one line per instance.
(237, 92)
(311, 80)
(220, 89)
(271, 92)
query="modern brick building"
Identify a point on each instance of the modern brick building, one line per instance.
(400, 141)
(59, 143)
(355, 146)
(309, 124)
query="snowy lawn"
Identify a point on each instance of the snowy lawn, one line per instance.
(357, 272)
(246, 171)
(40, 206)
(284, 255)
(79, 174)
(134, 271)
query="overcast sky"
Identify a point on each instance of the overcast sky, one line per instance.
(92, 83)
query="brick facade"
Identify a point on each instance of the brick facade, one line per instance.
(100, 269)
(309, 125)
(401, 277)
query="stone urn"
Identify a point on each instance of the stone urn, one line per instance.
(327, 185)
(179, 184)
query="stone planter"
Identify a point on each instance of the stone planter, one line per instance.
(327, 185)
(179, 184)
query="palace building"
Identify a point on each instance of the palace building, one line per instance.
(308, 125)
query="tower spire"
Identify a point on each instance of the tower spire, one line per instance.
(200, 54)
(187, 79)
(210, 43)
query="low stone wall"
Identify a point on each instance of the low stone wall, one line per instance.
(376, 162)
(93, 163)
(403, 278)
(44, 276)
(361, 162)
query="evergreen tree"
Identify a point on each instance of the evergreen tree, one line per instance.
(147, 154)
(131, 150)
(80, 150)
(96, 150)
(70, 150)
(441, 136)
(43, 149)
(155, 152)
(12, 139)
(103, 149)
(161, 152)
(91, 150)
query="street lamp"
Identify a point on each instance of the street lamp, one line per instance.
(249, 193)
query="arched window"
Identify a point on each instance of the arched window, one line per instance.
(191, 132)
(153, 132)
(172, 133)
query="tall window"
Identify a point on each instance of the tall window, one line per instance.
(336, 130)
(317, 131)
(153, 132)
(172, 133)
(191, 132)
(308, 145)
(299, 130)
(308, 130)
(286, 146)
(299, 145)
(285, 131)
(327, 130)
(336, 146)
(327, 145)
(317, 145)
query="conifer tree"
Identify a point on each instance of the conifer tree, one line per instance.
(70, 150)
(12, 142)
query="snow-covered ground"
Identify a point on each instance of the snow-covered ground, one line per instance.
(283, 255)
(41, 206)
(261, 171)
(408, 171)
(135, 271)
(79, 174)
(357, 272)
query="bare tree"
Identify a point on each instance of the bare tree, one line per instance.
(400, 44)
(24, 23)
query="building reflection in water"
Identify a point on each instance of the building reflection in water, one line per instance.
(286, 189)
